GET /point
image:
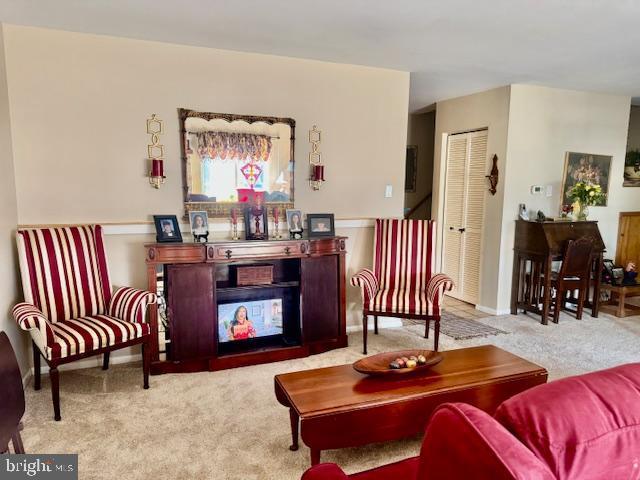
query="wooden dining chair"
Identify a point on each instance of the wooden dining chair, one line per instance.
(11, 399)
(574, 274)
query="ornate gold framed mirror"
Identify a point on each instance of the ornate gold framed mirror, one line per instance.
(229, 161)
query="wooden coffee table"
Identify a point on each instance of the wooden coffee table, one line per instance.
(337, 407)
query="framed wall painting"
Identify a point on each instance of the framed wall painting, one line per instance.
(411, 169)
(632, 169)
(587, 168)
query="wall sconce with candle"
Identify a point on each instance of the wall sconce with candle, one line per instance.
(155, 151)
(316, 175)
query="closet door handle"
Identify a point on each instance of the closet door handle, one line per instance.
(451, 228)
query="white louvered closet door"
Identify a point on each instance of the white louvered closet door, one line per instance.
(465, 187)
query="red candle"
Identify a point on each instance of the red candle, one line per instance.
(319, 172)
(276, 214)
(157, 168)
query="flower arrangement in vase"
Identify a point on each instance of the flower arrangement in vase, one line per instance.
(585, 195)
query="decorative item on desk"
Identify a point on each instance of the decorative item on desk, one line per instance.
(234, 224)
(565, 211)
(155, 151)
(584, 195)
(541, 217)
(294, 222)
(167, 228)
(321, 225)
(276, 223)
(199, 222)
(493, 176)
(255, 221)
(316, 175)
(523, 213)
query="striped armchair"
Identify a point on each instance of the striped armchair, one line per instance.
(401, 283)
(69, 308)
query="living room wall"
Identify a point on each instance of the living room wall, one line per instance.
(489, 110)
(8, 219)
(79, 103)
(544, 124)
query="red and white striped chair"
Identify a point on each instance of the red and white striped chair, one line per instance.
(402, 283)
(70, 309)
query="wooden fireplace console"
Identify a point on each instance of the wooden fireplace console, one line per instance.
(309, 274)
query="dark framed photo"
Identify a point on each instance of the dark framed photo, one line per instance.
(199, 221)
(255, 223)
(167, 228)
(321, 225)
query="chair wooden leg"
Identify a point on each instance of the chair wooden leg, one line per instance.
(54, 376)
(105, 361)
(146, 363)
(375, 324)
(558, 305)
(582, 293)
(365, 326)
(36, 367)
(436, 334)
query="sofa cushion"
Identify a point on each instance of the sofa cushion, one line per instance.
(463, 442)
(584, 427)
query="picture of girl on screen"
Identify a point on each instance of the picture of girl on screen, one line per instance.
(241, 327)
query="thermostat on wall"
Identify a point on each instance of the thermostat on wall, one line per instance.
(537, 189)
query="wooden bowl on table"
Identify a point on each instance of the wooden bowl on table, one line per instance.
(379, 364)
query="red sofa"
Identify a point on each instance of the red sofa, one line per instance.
(585, 427)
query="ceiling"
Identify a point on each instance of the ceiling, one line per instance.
(451, 47)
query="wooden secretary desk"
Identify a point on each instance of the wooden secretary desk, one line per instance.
(536, 246)
(194, 280)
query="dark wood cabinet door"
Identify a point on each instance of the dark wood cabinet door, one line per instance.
(320, 298)
(192, 312)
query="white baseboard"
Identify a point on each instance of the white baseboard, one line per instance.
(90, 362)
(383, 322)
(493, 311)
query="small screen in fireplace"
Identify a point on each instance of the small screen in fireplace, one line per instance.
(249, 319)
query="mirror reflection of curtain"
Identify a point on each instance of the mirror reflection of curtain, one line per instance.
(231, 161)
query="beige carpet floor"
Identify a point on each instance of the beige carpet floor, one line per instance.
(228, 425)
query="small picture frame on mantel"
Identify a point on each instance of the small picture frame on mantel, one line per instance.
(320, 225)
(167, 228)
(255, 223)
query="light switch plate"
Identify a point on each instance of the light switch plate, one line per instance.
(549, 190)
(388, 191)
